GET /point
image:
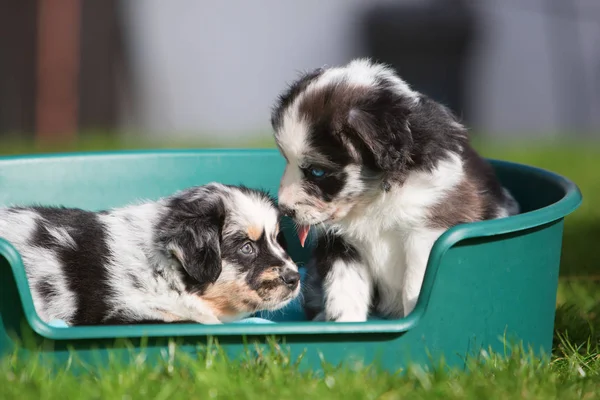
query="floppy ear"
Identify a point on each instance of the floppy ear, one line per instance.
(380, 126)
(191, 232)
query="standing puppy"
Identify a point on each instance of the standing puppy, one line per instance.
(207, 254)
(381, 171)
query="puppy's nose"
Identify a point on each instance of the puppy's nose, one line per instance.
(290, 277)
(287, 211)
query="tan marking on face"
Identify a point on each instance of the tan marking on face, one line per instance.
(273, 290)
(270, 274)
(254, 232)
(231, 298)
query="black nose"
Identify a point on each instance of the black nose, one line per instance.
(287, 211)
(290, 278)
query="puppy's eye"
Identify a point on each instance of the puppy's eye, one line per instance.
(247, 249)
(317, 173)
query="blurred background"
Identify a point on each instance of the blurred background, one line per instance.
(199, 73)
(524, 75)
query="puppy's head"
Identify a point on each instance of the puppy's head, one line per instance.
(227, 240)
(348, 133)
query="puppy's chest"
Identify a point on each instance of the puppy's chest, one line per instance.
(383, 254)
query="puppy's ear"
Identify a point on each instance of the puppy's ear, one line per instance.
(379, 127)
(191, 232)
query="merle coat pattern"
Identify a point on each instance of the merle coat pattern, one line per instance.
(207, 254)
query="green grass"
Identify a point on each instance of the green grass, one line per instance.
(574, 370)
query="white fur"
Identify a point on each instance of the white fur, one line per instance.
(362, 72)
(511, 207)
(348, 291)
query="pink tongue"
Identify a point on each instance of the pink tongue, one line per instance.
(303, 233)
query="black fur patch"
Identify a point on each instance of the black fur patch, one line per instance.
(191, 229)
(325, 139)
(327, 187)
(46, 290)
(433, 134)
(85, 265)
(331, 248)
(282, 241)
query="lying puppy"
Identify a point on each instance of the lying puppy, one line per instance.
(381, 170)
(208, 254)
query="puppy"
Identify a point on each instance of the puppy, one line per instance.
(207, 254)
(381, 171)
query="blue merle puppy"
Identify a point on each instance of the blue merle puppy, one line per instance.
(208, 254)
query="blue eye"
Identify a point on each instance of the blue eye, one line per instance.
(318, 173)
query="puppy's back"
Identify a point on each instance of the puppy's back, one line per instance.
(65, 254)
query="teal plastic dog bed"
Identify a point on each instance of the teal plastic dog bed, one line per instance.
(485, 281)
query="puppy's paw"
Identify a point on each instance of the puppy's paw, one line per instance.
(207, 320)
(345, 317)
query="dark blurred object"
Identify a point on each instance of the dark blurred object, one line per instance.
(427, 42)
(563, 21)
(102, 64)
(61, 64)
(57, 68)
(18, 31)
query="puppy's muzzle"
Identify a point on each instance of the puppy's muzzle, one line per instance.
(287, 211)
(290, 277)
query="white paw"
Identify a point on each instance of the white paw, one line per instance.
(349, 317)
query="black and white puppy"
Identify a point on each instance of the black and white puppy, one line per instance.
(207, 254)
(381, 171)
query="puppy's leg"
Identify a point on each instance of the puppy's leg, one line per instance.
(312, 292)
(197, 310)
(418, 245)
(347, 292)
(390, 304)
(207, 319)
(320, 317)
(338, 287)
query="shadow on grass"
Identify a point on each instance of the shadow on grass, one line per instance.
(578, 311)
(581, 252)
(580, 326)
